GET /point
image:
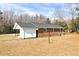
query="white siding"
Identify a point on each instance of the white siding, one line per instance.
(21, 33)
(16, 26)
(25, 32)
(29, 32)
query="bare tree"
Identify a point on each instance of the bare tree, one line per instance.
(39, 18)
(58, 14)
(1, 22)
(8, 18)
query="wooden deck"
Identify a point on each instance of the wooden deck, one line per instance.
(50, 34)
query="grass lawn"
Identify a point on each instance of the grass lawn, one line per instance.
(65, 45)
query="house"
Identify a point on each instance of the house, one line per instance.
(29, 30)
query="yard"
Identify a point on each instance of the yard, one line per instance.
(65, 45)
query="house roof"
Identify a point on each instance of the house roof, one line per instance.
(38, 25)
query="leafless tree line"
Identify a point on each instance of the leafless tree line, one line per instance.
(9, 17)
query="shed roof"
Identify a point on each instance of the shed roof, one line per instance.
(38, 25)
(28, 25)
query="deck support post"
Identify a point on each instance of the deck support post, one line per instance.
(53, 31)
(60, 32)
(48, 36)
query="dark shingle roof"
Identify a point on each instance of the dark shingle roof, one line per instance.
(28, 25)
(44, 25)
(38, 25)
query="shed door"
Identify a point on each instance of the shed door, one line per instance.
(36, 33)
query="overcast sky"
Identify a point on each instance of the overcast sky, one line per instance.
(46, 9)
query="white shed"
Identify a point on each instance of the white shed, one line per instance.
(26, 30)
(29, 30)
